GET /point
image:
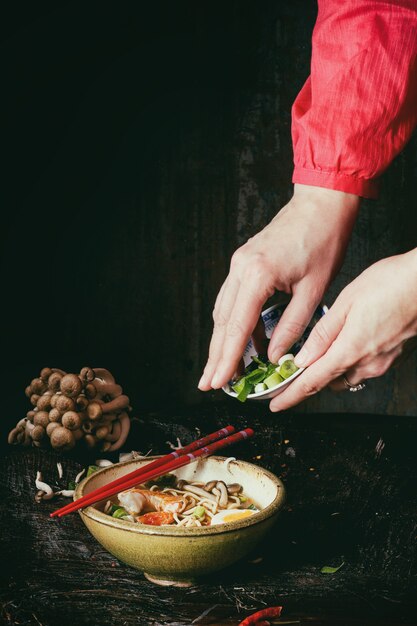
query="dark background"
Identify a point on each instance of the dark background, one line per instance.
(144, 142)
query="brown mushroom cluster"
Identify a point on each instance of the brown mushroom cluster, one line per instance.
(89, 407)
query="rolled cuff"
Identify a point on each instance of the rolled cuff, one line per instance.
(339, 182)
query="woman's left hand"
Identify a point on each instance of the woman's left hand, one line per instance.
(363, 333)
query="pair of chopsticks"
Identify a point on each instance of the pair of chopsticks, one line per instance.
(197, 449)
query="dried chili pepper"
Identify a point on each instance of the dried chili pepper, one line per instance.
(260, 618)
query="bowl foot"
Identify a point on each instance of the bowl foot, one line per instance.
(169, 583)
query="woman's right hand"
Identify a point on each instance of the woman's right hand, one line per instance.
(298, 253)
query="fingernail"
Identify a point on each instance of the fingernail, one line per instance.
(274, 409)
(274, 357)
(301, 358)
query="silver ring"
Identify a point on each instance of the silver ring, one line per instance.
(351, 387)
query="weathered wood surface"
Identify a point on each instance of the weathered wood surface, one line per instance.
(144, 143)
(351, 497)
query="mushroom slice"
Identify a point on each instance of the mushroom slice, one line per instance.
(224, 496)
(234, 488)
(200, 492)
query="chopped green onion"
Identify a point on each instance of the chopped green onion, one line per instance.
(242, 388)
(287, 369)
(120, 512)
(273, 380)
(243, 498)
(252, 507)
(199, 513)
(91, 469)
(266, 376)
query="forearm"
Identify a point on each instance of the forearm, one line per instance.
(358, 108)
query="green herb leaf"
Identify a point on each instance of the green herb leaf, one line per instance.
(91, 469)
(327, 569)
(242, 388)
(71, 485)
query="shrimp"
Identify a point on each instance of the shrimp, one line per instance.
(137, 500)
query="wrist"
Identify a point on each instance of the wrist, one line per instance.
(327, 197)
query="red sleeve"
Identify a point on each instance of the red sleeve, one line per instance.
(358, 108)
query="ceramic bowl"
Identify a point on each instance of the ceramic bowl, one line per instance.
(177, 556)
(270, 318)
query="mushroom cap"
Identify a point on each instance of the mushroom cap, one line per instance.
(90, 391)
(71, 420)
(54, 381)
(38, 433)
(71, 385)
(41, 418)
(81, 402)
(102, 432)
(38, 386)
(90, 440)
(55, 415)
(78, 434)
(62, 438)
(34, 399)
(94, 411)
(87, 374)
(45, 374)
(28, 391)
(54, 398)
(51, 427)
(30, 415)
(64, 404)
(44, 402)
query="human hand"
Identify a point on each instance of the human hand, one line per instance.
(363, 333)
(298, 253)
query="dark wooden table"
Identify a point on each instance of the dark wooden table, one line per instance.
(351, 485)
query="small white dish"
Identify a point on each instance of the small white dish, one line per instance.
(270, 318)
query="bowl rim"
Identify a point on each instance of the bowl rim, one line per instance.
(94, 514)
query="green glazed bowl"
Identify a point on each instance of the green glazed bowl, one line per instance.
(177, 556)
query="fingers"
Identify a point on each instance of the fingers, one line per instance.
(322, 336)
(330, 366)
(366, 369)
(242, 321)
(221, 313)
(292, 324)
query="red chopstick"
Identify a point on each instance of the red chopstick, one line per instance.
(130, 482)
(199, 443)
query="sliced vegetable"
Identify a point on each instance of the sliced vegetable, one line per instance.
(91, 469)
(261, 375)
(120, 512)
(157, 518)
(273, 380)
(327, 569)
(287, 369)
(199, 513)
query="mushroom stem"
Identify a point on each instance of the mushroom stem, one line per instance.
(114, 434)
(104, 374)
(117, 404)
(200, 492)
(125, 427)
(107, 389)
